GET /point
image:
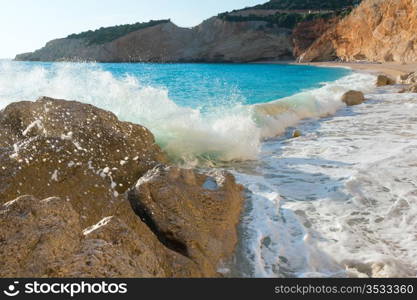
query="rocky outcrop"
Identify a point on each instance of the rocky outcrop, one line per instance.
(352, 98)
(377, 31)
(214, 40)
(83, 162)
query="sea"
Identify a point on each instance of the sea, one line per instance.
(339, 201)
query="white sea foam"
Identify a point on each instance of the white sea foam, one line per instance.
(232, 133)
(339, 201)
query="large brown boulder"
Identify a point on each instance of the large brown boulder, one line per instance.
(82, 161)
(353, 98)
(383, 80)
(74, 151)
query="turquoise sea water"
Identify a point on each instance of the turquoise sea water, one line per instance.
(304, 195)
(197, 85)
(210, 111)
(201, 84)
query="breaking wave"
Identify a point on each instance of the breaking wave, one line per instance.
(222, 133)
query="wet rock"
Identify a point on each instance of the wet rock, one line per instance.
(74, 151)
(192, 214)
(83, 161)
(353, 98)
(297, 133)
(383, 80)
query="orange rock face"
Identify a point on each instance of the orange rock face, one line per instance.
(378, 31)
(306, 33)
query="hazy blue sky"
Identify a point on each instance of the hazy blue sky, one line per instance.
(26, 25)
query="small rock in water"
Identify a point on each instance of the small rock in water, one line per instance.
(383, 80)
(297, 133)
(353, 98)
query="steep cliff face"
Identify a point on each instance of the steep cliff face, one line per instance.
(213, 40)
(378, 30)
(306, 33)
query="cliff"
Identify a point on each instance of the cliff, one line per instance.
(276, 30)
(83, 194)
(212, 41)
(376, 31)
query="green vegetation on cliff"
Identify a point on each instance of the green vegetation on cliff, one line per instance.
(308, 4)
(108, 34)
(292, 12)
(285, 20)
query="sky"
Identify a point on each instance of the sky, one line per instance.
(26, 25)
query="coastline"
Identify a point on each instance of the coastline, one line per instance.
(390, 69)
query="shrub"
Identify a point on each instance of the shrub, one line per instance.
(108, 34)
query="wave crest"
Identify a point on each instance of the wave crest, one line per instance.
(222, 133)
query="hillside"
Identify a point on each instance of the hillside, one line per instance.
(109, 34)
(276, 30)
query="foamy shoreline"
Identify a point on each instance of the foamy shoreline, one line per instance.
(338, 201)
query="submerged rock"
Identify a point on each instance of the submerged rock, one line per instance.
(214, 40)
(353, 98)
(82, 160)
(297, 133)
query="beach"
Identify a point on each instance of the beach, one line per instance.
(390, 69)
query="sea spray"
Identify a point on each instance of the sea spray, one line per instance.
(225, 132)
